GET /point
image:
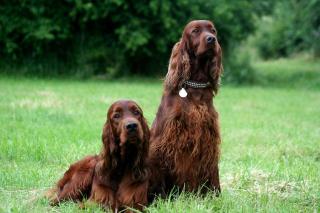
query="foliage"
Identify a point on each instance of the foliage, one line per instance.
(238, 68)
(114, 37)
(294, 26)
(301, 71)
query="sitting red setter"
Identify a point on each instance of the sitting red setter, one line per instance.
(118, 176)
(185, 135)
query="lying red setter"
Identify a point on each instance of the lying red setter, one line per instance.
(185, 135)
(118, 176)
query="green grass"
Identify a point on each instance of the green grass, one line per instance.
(298, 72)
(270, 158)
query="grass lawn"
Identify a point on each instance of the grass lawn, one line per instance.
(270, 158)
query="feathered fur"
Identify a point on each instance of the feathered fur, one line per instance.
(118, 177)
(185, 135)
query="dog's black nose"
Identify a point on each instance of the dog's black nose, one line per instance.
(211, 39)
(131, 126)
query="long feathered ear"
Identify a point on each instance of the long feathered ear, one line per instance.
(146, 133)
(216, 69)
(140, 171)
(109, 145)
(179, 66)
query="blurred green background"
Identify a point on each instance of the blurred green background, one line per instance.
(63, 63)
(115, 38)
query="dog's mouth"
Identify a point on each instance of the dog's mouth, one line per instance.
(130, 132)
(131, 137)
(209, 52)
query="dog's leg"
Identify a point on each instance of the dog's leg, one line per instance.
(133, 194)
(215, 181)
(104, 196)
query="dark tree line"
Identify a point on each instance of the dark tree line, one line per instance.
(119, 37)
(292, 26)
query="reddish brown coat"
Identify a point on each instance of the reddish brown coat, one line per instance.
(185, 135)
(118, 176)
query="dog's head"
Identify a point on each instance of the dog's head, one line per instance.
(125, 131)
(198, 44)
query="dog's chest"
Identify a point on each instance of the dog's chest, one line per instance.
(195, 96)
(190, 136)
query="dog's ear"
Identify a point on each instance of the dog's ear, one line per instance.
(179, 66)
(109, 145)
(139, 168)
(216, 68)
(146, 137)
(146, 132)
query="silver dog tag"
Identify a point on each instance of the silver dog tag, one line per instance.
(183, 93)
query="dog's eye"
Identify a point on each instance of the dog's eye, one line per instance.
(213, 30)
(195, 30)
(136, 112)
(116, 115)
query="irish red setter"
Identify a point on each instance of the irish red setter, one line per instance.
(185, 135)
(118, 176)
